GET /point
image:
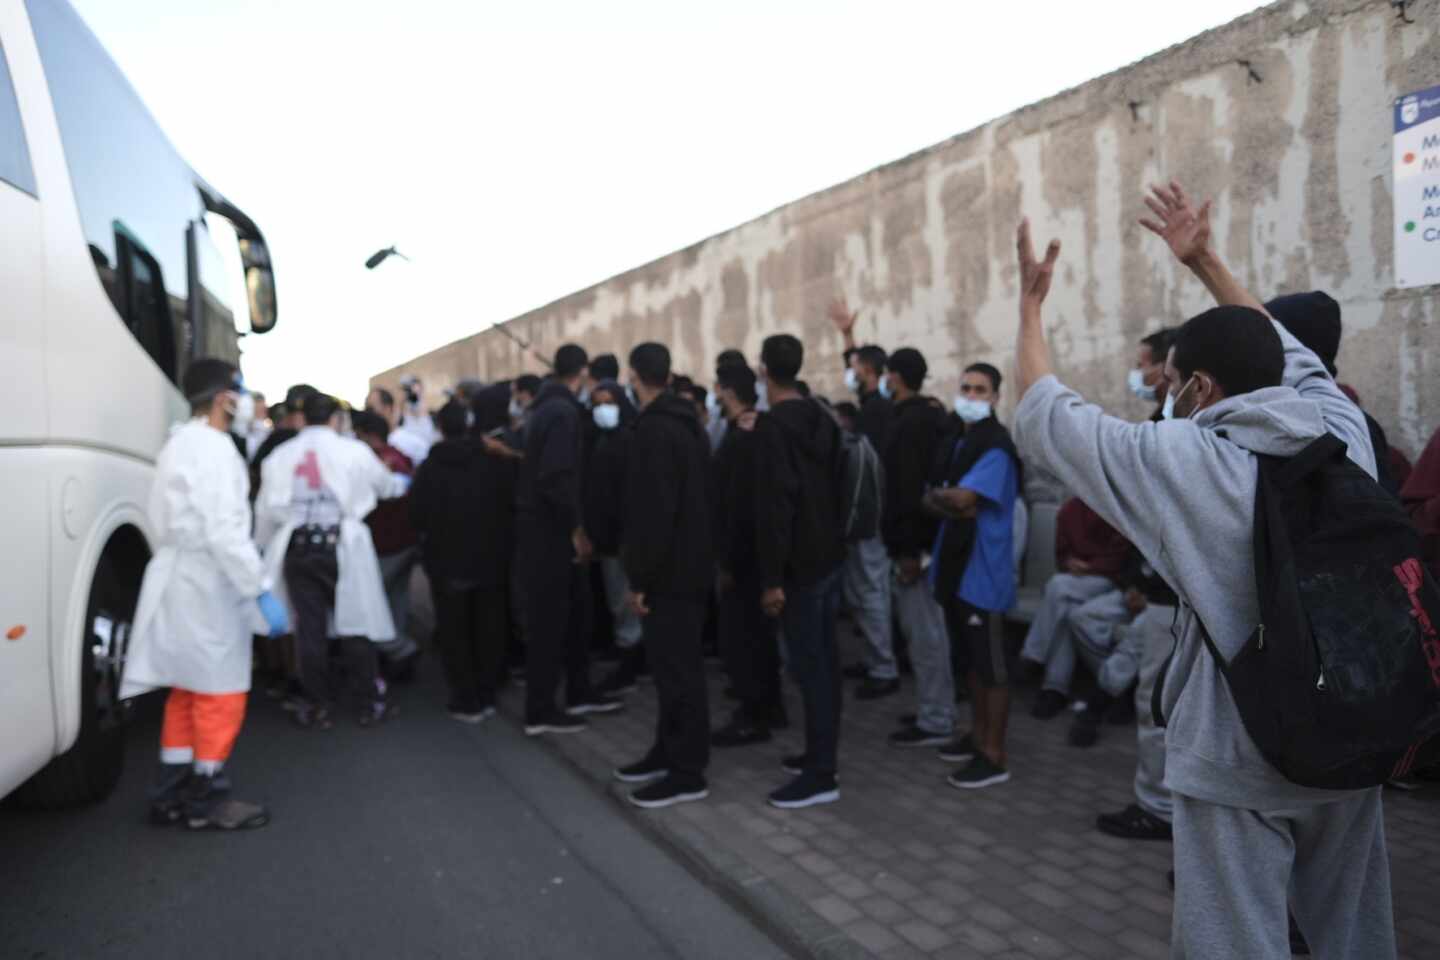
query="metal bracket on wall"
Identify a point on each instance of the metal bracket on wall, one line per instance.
(1250, 69)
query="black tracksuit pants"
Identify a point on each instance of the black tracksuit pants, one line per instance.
(749, 643)
(473, 628)
(557, 618)
(672, 634)
(310, 574)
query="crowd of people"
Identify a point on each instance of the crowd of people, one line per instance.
(749, 517)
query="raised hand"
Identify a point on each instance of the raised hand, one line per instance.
(1185, 229)
(1035, 275)
(842, 316)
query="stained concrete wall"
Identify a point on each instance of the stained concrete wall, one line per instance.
(1295, 148)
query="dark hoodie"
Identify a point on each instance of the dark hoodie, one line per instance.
(732, 498)
(550, 474)
(461, 504)
(666, 544)
(799, 538)
(604, 495)
(908, 452)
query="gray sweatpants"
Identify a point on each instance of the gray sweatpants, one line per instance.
(395, 572)
(627, 622)
(923, 621)
(1140, 653)
(1234, 868)
(1049, 640)
(867, 592)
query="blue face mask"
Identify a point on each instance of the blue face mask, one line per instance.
(972, 411)
(885, 387)
(1168, 410)
(607, 416)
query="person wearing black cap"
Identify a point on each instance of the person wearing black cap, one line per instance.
(1314, 319)
(666, 548)
(285, 429)
(749, 640)
(553, 555)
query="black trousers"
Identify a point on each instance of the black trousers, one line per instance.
(749, 643)
(809, 621)
(310, 575)
(672, 636)
(472, 626)
(557, 618)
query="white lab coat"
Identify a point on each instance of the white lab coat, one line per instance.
(197, 601)
(358, 479)
(410, 443)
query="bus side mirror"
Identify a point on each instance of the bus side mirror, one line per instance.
(259, 284)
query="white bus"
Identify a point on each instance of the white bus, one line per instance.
(118, 265)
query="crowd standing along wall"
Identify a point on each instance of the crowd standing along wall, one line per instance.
(1284, 117)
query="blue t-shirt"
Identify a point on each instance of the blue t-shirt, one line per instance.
(989, 580)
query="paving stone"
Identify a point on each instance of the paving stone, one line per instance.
(1011, 871)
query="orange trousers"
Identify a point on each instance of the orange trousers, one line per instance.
(200, 727)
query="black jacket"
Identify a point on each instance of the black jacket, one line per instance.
(799, 538)
(604, 494)
(462, 507)
(732, 476)
(874, 418)
(553, 468)
(666, 545)
(908, 454)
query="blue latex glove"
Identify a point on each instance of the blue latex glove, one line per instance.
(275, 614)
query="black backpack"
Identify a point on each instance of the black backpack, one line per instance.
(1339, 685)
(861, 484)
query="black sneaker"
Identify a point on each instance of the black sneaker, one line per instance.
(872, 689)
(474, 717)
(1134, 823)
(642, 772)
(739, 733)
(1048, 704)
(794, 764)
(668, 792)
(595, 703)
(554, 722)
(979, 772)
(962, 750)
(916, 737)
(806, 790)
(377, 712)
(1085, 728)
(310, 717)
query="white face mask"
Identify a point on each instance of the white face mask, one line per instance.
(885, 390)
(762, 397)
(607, 416)
(972, 411)
(243, 413)
(852, 380)
(1168, 410)
(1138, 386)
(712, 404)
(516, 411)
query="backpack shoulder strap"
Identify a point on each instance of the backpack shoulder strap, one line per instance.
(1288, 471)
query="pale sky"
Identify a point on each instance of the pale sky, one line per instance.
(522, 151)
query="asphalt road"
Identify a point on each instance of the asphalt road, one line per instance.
(423, 838)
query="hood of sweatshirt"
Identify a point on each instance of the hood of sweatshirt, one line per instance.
(669, 405)
(1275, 421)
(810, 426)
(451, 453)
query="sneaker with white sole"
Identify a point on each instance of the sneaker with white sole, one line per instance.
(806, 790)
(960, 751)
(669, 791)
(979, 772)
(793, 764)
(554, 722)
(916, 737)
(596, 703)
(643, 772)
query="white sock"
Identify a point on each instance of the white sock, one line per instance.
(208, 768)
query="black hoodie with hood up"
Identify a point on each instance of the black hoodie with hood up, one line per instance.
(603, 498)
(666, 543)
(462, 506)
(799, 538)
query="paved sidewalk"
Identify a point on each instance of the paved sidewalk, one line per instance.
(906, 866)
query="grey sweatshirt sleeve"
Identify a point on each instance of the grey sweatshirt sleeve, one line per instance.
(1307, 375)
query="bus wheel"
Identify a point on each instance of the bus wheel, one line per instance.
(89, 770)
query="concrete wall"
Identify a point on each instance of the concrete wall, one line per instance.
(1298, 162)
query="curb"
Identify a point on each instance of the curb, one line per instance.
(780, 915)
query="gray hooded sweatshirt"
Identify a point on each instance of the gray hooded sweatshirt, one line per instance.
(1183, 491)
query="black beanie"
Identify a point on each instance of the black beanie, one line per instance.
(1313, 319)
